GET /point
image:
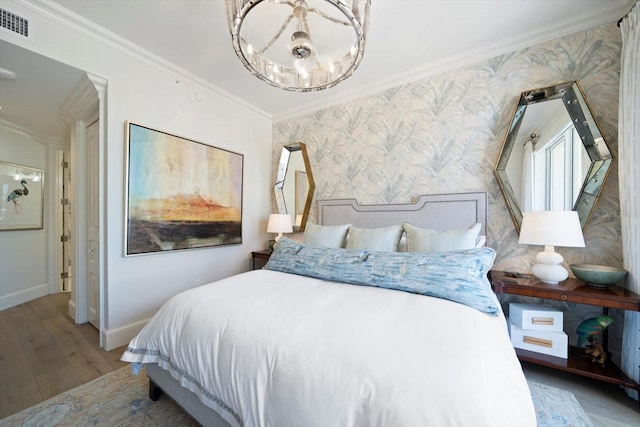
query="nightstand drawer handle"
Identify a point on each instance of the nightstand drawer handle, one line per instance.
(542, 321)
(563, 297)
(538, 341)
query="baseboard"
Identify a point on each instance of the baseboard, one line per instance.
(23, 296)
(113, 338)
(72, 309)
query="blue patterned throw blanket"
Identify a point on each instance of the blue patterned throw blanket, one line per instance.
(459, 276)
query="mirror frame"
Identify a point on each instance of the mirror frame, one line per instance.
(593, 141)
(278, 188)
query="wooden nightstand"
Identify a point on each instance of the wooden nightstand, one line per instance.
(572, 290)
(262, 255)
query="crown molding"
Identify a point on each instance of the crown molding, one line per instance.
(81, 103)
(608, 13)
(46, 140)
(69, 19)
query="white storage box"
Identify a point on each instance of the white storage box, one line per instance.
(553, 343)
(535, 317)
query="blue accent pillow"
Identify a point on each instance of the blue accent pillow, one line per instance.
(459, 276)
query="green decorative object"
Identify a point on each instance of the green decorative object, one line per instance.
(590, 327)
(599, 276)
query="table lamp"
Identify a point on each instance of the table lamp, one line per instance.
(550, 229)
(279, 223)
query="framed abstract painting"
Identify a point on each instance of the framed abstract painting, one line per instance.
(21, 188)
(180, 194)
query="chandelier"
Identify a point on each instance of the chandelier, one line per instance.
(299, 45)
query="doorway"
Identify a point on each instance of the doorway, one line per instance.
(59, 121)
(65, 257)
(85, 109)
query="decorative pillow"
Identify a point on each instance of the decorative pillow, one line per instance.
(459, 276)
(328, 236)
(383, 239)
(427, 241)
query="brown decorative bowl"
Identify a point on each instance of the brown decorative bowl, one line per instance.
(599, 276)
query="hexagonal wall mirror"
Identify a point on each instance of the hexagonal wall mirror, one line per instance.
(554, 156)
(294, 185)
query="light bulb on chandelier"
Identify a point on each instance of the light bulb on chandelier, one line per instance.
(301, 47)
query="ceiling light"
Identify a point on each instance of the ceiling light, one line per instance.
(299, 45)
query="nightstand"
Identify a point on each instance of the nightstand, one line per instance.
(262, 255)
(572, 290)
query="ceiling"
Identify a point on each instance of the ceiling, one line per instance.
(408, 40)
(32, 102)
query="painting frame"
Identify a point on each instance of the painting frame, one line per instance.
(180, 194)
(22, 192)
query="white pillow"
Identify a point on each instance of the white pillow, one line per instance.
(425, 240)
(328, 236)
(383, 239)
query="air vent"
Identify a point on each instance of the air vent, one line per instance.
(14, 23)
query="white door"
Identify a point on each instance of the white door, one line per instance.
(93, 244)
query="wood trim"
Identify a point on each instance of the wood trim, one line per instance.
(570, 290)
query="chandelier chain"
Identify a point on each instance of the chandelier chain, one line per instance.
(276, 36)
(329, 18)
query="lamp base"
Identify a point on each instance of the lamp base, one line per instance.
(549, 269)
(275, 241)
(551, 274)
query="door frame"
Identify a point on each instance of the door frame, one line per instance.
(57, 176)
(85, 105)
(92, 219)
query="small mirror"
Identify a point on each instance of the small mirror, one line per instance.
(554, 156)
(294, 184)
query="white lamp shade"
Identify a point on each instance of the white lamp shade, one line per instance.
(279, 223)
(551, 228)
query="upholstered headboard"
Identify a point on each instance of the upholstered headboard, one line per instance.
(437, 212)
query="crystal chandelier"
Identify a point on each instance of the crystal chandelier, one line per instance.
(299, 45)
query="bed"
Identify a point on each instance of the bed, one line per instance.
(347, 336)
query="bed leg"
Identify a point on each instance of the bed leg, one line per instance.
(154, 391)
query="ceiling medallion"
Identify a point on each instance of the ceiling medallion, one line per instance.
(299, 45)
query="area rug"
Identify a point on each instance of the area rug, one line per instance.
(120, 399)
(555, 407)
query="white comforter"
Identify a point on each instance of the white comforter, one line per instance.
(266, 348)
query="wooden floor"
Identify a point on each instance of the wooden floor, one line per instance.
(43, 353)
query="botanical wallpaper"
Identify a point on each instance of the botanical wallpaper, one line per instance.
(443, 134)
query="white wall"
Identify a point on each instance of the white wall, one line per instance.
(23, 253)
(161, 96)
